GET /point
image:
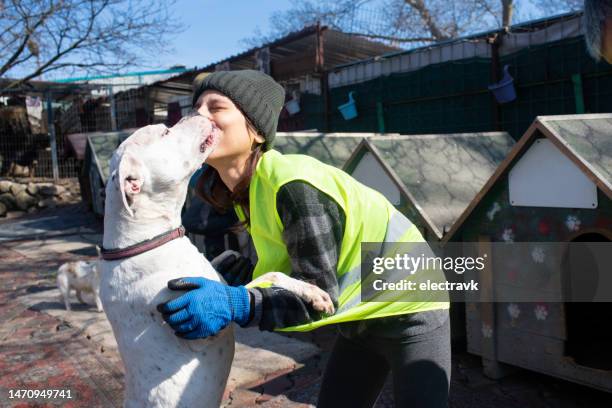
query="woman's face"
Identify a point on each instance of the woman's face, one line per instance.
(235, 137)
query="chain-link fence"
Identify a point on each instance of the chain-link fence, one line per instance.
(30, 147)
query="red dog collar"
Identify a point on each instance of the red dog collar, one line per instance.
(141, 247)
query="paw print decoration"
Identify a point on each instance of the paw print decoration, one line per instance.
(508, 235)
(537, 254)
(487, 330)
(572, 223)
(541, 311)
(514, 311)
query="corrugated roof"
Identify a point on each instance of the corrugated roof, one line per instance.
(520, 27)
(441, 173)
(58, 90)
(294, 54)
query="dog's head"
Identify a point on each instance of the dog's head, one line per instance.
(150, 170)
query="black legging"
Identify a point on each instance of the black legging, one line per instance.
(419, 363)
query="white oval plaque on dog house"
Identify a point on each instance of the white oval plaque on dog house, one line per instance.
(370, 172)
(545, 177)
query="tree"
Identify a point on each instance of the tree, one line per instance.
(102, 36)
(408, 22)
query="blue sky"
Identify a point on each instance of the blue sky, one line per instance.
(215, 28)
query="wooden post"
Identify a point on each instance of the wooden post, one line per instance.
(495, 42)
(490, 366)
(113, 108)
(52, 138)
(320, 50)
(324, 75)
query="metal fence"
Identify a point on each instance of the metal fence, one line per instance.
(30, 147)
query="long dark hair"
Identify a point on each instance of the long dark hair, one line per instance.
(213, 190)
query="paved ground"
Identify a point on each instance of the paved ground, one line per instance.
(44, 347)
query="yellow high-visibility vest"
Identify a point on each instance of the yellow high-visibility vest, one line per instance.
(370, 217)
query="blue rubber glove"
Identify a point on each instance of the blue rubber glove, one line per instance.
(206, 308)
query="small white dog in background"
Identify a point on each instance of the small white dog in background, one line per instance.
(82, 276)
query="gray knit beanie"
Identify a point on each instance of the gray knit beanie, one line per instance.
(256, 94)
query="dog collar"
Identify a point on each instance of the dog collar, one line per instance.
(141, 247)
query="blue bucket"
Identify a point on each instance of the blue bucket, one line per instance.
(349, 109)
(504, 90)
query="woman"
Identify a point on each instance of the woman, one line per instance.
(308, 220)
(598, 28)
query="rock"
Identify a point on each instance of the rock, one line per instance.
(5, 186)
(44, 186)
(9, 200)
(32, 188)
(16, 188)
(67, 197)
(3, 210)
(15, 214)
(47, 203)
(51, 190)
(32, 210)
(24, 200)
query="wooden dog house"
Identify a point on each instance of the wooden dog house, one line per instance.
(431, 179)
(555, 186)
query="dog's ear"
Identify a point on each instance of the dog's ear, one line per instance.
(130, 178)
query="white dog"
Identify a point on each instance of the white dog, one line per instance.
(144, 197)
(82, 276)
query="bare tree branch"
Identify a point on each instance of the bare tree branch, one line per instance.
(507, 7)
(99, 35)
(416, 22)
(411, 22)
(428, 19)
(29, 30)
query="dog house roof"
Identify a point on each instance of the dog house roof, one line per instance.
(439, 174)
(589, 139)
(102, 145)
(584, 139)
(330, 148)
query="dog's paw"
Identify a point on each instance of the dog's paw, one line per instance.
(319, 299)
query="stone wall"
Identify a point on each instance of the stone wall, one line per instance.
(27, 195)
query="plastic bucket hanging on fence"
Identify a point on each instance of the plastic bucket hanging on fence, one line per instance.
(349, 109)
(293, 106)
(504, 89)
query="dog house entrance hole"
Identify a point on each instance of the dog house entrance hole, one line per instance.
(588, 324)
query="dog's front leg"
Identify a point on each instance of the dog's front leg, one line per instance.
(96, 293)
(317, 297)
(64, 287)
(78, 295)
